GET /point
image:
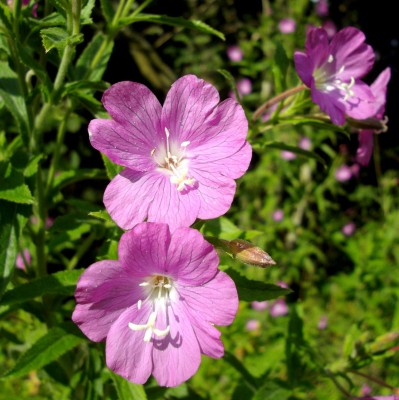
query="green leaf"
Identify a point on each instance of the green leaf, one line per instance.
(85, 15)
(94, 59)
(127, 390)
(55, 343)
(58, 38)
(32, 166)
(5, 16)
(60, 283)
(107, 9)
(111, 168)
(92, 86)
(12, 95)
(102, 214)
(173, 21)
(280, 67)
(296, 150)
(272, 391)
(227, 75)
(250, 290)
(8, 242)
(12, 186)
(239, 366)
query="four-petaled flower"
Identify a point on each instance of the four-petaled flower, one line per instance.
(181, 159)
(332, 71)
(366, 136)
(157, 306)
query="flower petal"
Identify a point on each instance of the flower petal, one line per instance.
(103, 292)
(365, 149)
(303, 67)
(330, 104)
(362, 104)
(187, 106)
(215, 302)
(126, 352)
(143, 250)
(379, 89)
(176, 357)
(350, 51)
(191, 259)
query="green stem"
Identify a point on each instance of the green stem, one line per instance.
(41, 233)
(118, 13)
(81, 251)
(373, 379)
(17, 4)
(337, 384)
(277, 99)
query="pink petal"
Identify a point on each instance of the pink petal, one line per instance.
(317, 47)
(330, 104)
(120, 145)
(176, 357)
(132, 197)
(349, 50)
(187, 106)
(362, 104)
(191, 259)
(379, 89)
(143, 250)
(215, 302)
(303, 67)
(103, 292)
(126, 352)
(365, 149)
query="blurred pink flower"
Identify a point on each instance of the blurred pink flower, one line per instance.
(322, 8)
(279, 308)
(19, 263)
(305, 143)
(287, 155)
(323, 322)
(343, 173)
(278, 215)
(244, 86)
(287, 25)
(282, 284)
(392, 397)
(260, 305)
(365, 390)
(349, 229)
(235, 53)
(330, 28)
(252, 325)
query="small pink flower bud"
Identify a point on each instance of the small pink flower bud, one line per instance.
(248, 253)
(252, 325)
(349, 229)
(235, 53)
(287, 25)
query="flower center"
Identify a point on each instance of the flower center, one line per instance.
(157, 288)
(326, 80)
(173, 160)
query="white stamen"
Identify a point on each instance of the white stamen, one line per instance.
(185, 144)
(153, 151)
(139, 305)
(144, 284)
(330, 58)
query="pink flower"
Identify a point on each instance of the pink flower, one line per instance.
(323, 322)
(322, 8)
(287, 155)
(343, 173)
(244, 86)
(157, 305)
(181, 159)
(305, 143)
(20, 261)
(392, 397)
(365, 390)
(260, 305)
(366, 139)
(25, 3)
(252, 325)
(332, 70)
(235, 53)
(330, 28)
(278, 308)
(287, 25)
(278, 215)
(349, 229)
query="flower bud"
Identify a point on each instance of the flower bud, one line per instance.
(248, 253)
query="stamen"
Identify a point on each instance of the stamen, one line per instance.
(185, 144)
(153, 151)
(139, 305)
(144, 284)
(330, 59)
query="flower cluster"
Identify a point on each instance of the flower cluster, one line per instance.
(156, 306)
(333, 71)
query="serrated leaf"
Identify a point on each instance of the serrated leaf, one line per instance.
(32, 166)
(58, 38)
(60, 283)
(48, 348)
(296, 150)
(250, 290)
(111, 168)
(128, 390)
(173, 21)
(92, 62)
(8, 242)
(85, 15)
(12, 186)
(12, 95)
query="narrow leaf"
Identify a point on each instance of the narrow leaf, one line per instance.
(173, 21)
(8, 242)
(250, 290)
(47, 349)
(128, 390)
(60, 283)
(111, 168)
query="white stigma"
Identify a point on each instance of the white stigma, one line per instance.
(158, 289)
(174, 162)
